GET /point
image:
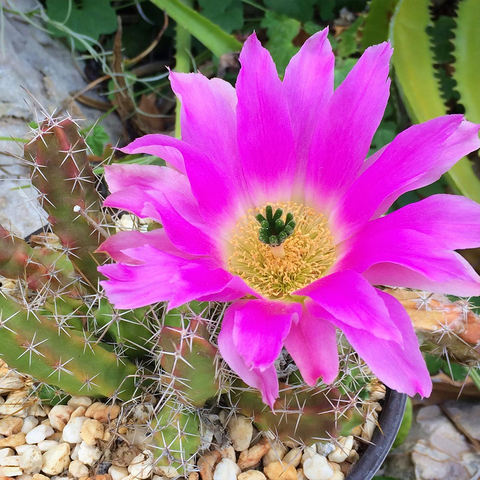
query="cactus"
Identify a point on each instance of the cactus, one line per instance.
(66, 184)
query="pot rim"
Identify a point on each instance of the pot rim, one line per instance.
(390, 419)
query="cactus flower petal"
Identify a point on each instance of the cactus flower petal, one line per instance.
(401, 368)
(312, 343)
(266, 381)
(272, 205)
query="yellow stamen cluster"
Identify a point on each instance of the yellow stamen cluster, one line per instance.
(308, 252)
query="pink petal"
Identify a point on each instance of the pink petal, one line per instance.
(234, 290)
(413, 250)
(308, 85)
(209, 123)
(115, 245)
(345, 131)
(145, 177)
(402, 369)
(347, 296)
(264, 380)
(170, 149)
(260, 329)
(312, 343)
(162, 277)
(265, 137)
(452, 220)
(418, 156)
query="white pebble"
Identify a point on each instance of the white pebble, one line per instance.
(10, 471)
(343, 449)
(74, 454)
(38, 434)
(338, 475)
(71, 432)
(79, 401)
(57, 459)
(24, 477)
(317, 468)
(293, 457)
(226, 470)
(6, 452)
(166, 471)
(240, 431)
(46, 445)
(12, 461)
(59, 416)
(21, 449)
(308, 452)
(142, 465)
(77, 469)
(29, 423)
(117, 473)
(87, 454)
(31, 460)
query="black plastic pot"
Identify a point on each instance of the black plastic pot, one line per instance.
(390, 419)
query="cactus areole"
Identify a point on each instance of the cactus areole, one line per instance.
(269, 202)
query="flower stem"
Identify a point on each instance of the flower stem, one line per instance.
(182, 61)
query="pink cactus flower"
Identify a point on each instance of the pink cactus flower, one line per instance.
(269, 202)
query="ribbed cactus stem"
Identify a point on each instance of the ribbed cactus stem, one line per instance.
(443, 326)
(66, 183)
(33, 344)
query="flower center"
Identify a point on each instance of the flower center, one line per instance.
(305, 255)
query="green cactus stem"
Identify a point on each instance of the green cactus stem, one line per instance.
(31, 343)
(304, 413)
(66, 183)
(189, 362)
(38, 267)
(176, 438)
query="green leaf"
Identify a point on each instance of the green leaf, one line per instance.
(227, 14)
(281, 30)
(326, 10)
(300, 9)
(212, 36)
(467, 58)
(90, 18)
(96, 138)
(377, 22)
(414, 68)
(347, 42)
(405, 425)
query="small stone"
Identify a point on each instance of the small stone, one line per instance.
(103, 413)
(56, 436)
(46, 445)
(338, 475)
(102, 468)
(88, 454)
(252, 475)
(123, 455)
(12, 461)
(300, 474)
(6, 452)
(100, 477)
(13, 440)
(168, 472)
(79, 401)
(21, 449)
(317, 468)
(71, 432)
(39, 476)
(249, 458)
(142, 413)
(343, 449)
(77, 469)
(191, 476)
(226, 470)
(31, 460)
(275, 454)
(229, 452)
(240, 431)
(206, 463)
(78, 412)
(10, 425)
(10, 471)
(24, 477)
(308, 452)
(370, 424)
(280, 471)
(117, 473)
(29, 423)
(38, 434)
(293, 457)
(142, 465)
(325, 449)
(56, 459)
(92, 430)
(59, 416)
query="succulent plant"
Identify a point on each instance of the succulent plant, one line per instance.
(57, 326)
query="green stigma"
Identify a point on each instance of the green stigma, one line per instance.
(273, 230)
